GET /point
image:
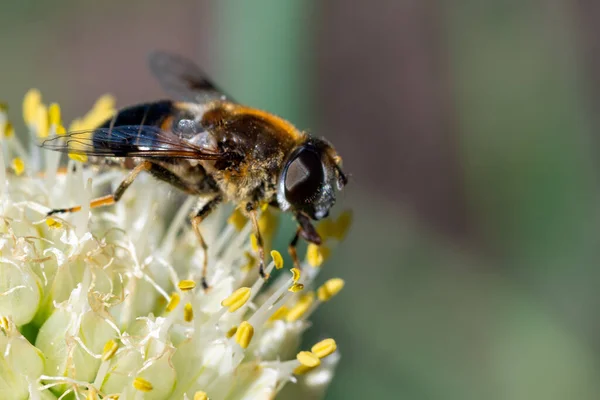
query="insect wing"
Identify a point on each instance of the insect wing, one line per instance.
(143, 141)
(183, 79)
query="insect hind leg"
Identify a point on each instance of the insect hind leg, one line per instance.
(111, 198)
(201, 214)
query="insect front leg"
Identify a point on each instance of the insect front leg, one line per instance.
(201, 214)
(111, 198)
(307, 231)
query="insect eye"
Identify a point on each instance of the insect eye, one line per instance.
(304, 177)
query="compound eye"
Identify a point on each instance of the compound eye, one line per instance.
(304, 177)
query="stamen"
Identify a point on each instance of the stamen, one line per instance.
(18, 166)
(110, 348)
(9, 130)
(295, 274)
(188, 312)
(308, 359)
(296, 287)
(200, 395)
(31, 101)
(54, 114)
(52, 223)
(237, 299)
(186, 285)
(280, 313)
(277, 259)
(231, 332)
(300, 308)
(78, 157)
(244, 334)
(330, 289)
(342, 225)
(237, 219)
(324, 348)
(142, 385)
(316, 255)
(173, 302)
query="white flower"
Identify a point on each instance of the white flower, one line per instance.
(105, 303)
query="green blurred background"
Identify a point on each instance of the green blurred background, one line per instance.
(469, 128)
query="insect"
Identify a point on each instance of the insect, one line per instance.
(210, 146)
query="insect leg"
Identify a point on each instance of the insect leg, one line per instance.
(251, 209)
(292, 248)
(111, 198)
(201, 214)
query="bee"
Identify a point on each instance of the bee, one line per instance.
(207, 145)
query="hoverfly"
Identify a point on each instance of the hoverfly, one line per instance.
(209, 146)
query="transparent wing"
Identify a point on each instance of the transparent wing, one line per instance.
(183, 79)
(129, 141)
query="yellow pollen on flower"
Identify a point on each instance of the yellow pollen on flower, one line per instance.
(188, 312)
(186, 285)
(54, 114)
(237, 299)
(316, 255)
(267, 223)
(308, 359)
(231, 332)
(200, 395)
(342, 225)
(4, 323)
(237, 219)
(302, 369)
(244, 334)
(142, 385)
(324, 348)
(280, 313)
(52, 223)
(300, 308)
(330, 289)
(295, 274)
(9, 130)
(296, 287)
(110, 348)
(251, 262)
(18, 166)
(78, 157)
(41, 121)
(103, 109)
(31, 101)
(60, 130)
(326, 228)
(3, 107)
(277, 259)
(91, 394)
(173, 302)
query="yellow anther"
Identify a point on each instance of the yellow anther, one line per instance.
(186, 284)
(60, 130)
(237, 299)
(110, 348)
(302, 369)
(102, 110)
(41, 121)
(188, 312)
(4, 323)
(300, 308)
(296, 287)
(267, 223)
(342, 225)
(52, 223)
(277, 259)
(244, 334)
(3, 107)
(326, 228)
(18, 166)
(173, 302)
(237, 219)
(142, 385)
(324, 348)
(200, 395)
(280, 313)
(33, 98)
(308, 359)
(78, 157)
(295, 274)
(9, 130)
(253, 242)
(105, 102)
(54, 114)
(231, 332)
(316, 255)
(330, 289)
